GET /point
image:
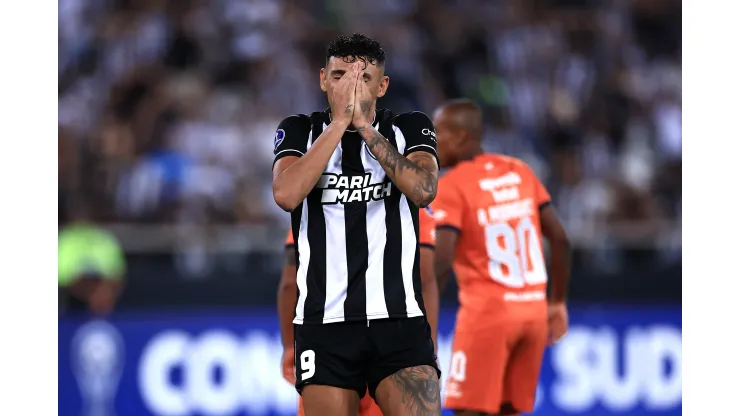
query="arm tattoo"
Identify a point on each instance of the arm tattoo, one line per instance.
(348, 109)
(394, 164)
(419, 387)
(365, 107)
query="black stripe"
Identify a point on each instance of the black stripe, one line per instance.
(395, 295)
(316, 273)
(545, 205)
(355, 226)
(429, 246)
(416, 277)
(286, 153)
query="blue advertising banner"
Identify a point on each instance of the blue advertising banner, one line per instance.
(614, 361)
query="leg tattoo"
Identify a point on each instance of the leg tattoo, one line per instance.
(419, 387)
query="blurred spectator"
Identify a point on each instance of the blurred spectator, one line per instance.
(91, 266)
(167, 108)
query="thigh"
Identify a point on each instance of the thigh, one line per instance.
(477, 368)
(523, 372)
(403, 375)
(321, 400)
(398, 344)
(412, 391)
(331, 355)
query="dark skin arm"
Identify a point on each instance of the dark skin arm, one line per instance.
(429, 289)
(286, 300)
(560, 254)
(415, 175)
(444, 254)
(287, 297)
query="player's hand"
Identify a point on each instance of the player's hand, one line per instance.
(288, 365)
(363, 103)
(343, 97)
(557, 321)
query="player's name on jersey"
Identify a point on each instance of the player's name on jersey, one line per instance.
(505, 212)
(503, 188)
(341, 189)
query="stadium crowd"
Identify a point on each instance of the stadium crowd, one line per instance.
(168, 108)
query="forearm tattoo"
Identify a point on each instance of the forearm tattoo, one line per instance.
(365, 107)
(424, 188)
(419, 387)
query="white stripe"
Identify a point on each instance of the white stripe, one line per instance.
(400, 140)
(336, 251)
(408, 255)
(289, 150)
(304, 256)
(425, 145)
(375, 305)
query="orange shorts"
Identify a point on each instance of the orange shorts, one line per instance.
(498, 365)
(368, 407)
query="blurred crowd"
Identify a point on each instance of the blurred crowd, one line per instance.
(167, 108)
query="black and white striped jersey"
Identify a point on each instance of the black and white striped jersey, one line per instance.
(356, 234)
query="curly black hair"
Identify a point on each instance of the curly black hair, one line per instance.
(357, 45)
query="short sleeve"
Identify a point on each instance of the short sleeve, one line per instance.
(448, 205)
(289, 239)
(291, 137)
(418, 131)
(541, 196)
(427, 232)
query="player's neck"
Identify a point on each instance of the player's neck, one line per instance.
(472, 153)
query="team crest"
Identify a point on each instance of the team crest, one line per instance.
(279, 137)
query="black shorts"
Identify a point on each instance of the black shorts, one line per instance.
(359, 355)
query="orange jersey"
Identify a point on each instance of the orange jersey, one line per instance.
(494, 202)
(426, 230)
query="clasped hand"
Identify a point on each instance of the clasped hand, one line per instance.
(351, 99)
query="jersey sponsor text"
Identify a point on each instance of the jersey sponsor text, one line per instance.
(341, 189)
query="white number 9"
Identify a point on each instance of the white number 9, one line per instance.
(308, 364)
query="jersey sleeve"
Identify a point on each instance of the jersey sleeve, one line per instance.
(427, 232)
(418, 131)
(291, 137)
(541, 196)
(289, 239)
(448, 205)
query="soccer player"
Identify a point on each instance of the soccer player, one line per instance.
(491, 211)
(287, 296)
(353, 178)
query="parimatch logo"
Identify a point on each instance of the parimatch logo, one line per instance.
(341, 189)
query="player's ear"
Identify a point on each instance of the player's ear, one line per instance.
(322, 79)
(383, 87)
